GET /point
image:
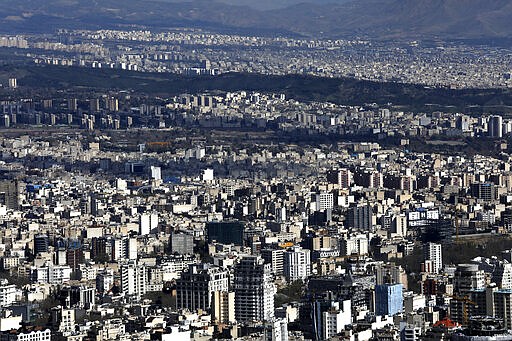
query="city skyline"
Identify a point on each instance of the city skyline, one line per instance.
(275, 170)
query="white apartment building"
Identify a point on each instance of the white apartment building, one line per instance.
(133, 278)
(274, 257)
(297, 264)
(51, 274)
(324, 201)
(8, 293)
(433, 253)
(336, 318)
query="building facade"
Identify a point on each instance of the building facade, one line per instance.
(254, 290)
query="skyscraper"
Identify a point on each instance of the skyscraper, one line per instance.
(388, 299)
(254, 290)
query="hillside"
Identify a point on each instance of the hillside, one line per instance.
(457, 19)
(344, 91)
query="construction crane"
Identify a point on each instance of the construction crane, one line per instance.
(465, 302)
(457, 225)
(457, 217)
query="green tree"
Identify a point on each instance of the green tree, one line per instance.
(291, 293)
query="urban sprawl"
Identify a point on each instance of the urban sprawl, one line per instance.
(249, 215)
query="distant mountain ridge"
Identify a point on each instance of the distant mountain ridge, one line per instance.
(268, 4)
(458, 19)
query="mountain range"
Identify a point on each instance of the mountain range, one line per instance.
(384, 19)
(269, 4)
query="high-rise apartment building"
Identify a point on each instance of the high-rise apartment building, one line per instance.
(369, 178)
(388, 299)
(340, 177)
(94, 105)
(399, 225)
(274, 257)
(297, 264)
(9, 194)
(360, 217)
(324, 201)
(354, 245)
(195, 287)
(502, 275)
(276, 330)
(468, 277)
(181, 243)
(223, 307)
(254, 290)
(433, 252)
(72, 104)
(485, 191)
(495, 126)
(133, 278)
(41, 243)
(13, 83)
(124, 248)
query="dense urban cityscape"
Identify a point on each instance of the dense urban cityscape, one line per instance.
(139, 207)
(197, 52)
